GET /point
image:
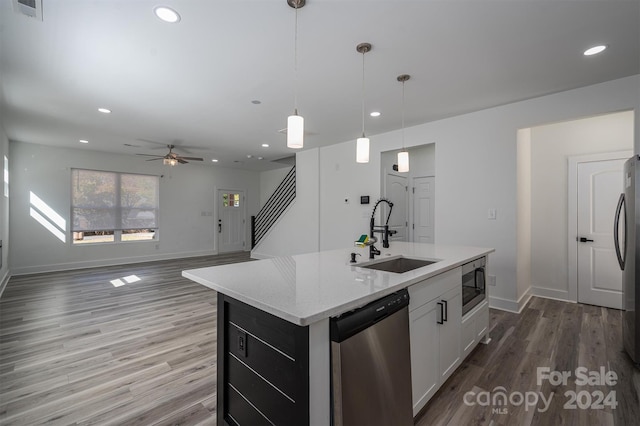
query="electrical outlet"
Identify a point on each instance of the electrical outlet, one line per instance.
(491, 280)
(242, 344)
(492, 214)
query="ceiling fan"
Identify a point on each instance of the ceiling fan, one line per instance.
(171, 158)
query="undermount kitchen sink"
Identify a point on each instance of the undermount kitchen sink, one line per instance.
(399, 265)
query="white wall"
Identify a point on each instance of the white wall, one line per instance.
(551, 145)
(185, 193)
(4, 213)
(297, 230)
(476, 160)
(269, 181)
(523, 220)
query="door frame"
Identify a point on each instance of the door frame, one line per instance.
(217, 215)
(572, 211)
(408, 200)
(412, 201)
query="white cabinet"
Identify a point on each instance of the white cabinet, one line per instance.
(435, 315)
(475, 326)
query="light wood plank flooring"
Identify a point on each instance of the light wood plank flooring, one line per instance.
(548, 333)
(74, 349)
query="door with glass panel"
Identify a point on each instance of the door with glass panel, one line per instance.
(231, 225)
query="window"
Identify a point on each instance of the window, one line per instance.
(110, 207)
(231, 200)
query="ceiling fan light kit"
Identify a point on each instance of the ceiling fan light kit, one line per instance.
(171, 158)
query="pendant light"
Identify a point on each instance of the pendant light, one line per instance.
(295, 122)
(403, 155)
(362, 143)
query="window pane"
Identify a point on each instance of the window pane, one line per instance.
(139, 201)
(93, 237)
(138, 234)
(93, 200)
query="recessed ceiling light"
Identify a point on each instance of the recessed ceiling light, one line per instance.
(265, 145)
(594, 50)
(260, 158)
(83, 141)
(104, 110)
(167, 14)
(249, 156)
(375, 114)
(215, 160)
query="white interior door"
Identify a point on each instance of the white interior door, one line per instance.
(599, 277)
(396, 192)
(423, 226)
(231, 220)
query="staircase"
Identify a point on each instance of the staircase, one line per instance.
(268, 215)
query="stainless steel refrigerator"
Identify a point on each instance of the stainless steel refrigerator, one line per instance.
(626, 235)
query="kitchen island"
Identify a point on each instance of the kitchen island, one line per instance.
(273, 323)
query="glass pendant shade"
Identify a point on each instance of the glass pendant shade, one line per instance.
(362, 150)
(295, 131)
(403, 161)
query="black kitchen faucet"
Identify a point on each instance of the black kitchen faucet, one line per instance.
(381, 229)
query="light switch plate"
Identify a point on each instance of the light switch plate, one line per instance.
(492, 214)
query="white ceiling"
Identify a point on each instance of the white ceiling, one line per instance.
(192, 83)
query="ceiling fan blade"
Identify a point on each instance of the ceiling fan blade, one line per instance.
(191, 158)
(154, 159)
(151, 155)
(181, 161)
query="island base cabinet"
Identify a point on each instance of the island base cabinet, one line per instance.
(475, 326)
(263, 367)
(435, 314)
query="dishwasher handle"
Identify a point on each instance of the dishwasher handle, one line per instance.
(353, 322)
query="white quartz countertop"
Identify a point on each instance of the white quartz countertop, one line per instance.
(306, 288)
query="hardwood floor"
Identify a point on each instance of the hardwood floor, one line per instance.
(548, 333)
(75, 349)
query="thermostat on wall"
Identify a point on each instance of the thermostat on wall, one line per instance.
(364, 199)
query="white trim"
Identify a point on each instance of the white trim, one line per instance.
(4, 282)
(549, 293)
(319, 373)
(572, 213)
(511, 305)
(109, 262)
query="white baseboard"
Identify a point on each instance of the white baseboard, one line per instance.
(259, 256)
(550, 293)
(510, 305)
(4, 282)
(108, 262)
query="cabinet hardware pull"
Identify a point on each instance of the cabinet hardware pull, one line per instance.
(441, 321)
(446, 310)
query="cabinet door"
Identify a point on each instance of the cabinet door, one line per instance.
(423, 330)
(450, 338)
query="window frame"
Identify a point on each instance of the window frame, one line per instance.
(117, 233)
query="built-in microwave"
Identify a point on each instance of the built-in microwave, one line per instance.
(473, 284)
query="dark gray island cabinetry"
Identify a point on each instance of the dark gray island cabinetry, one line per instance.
(263, 367)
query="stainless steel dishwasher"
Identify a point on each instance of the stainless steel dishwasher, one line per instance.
(371, 364)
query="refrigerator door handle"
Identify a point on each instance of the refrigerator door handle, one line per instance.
(616, 226)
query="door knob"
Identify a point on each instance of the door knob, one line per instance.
(584, 240)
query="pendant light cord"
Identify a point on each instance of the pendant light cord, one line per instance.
(403, 115)
(363, 52)
(295, 64)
